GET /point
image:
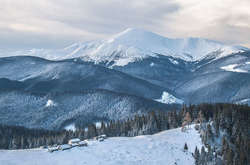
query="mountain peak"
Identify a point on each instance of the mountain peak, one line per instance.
(135, 44)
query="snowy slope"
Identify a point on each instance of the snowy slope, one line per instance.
(235, 68)
(162, 148)
(133, 45)
(167, 98)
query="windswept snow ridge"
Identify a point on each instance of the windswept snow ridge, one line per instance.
(167, 98)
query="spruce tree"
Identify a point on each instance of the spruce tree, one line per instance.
(196, 156)
(185, 147)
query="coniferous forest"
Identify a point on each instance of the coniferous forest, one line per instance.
(224, 130)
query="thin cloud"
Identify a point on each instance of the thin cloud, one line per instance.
(56, 23)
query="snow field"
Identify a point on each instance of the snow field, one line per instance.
(162, 148)
(167, 98)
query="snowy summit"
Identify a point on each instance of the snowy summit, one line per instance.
(133, 45)
(136, 44)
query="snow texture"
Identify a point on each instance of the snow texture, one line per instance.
(50, 103)
(167, 98)
(174, 61)
(98, 124)
(70, 127)
(233, 68)
(162, 148)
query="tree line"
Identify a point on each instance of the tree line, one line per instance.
(16, 137)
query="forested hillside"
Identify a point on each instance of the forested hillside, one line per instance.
(224, 129)
(55, 110)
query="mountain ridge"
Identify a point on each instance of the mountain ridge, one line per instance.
(135, 44)
(41, 75)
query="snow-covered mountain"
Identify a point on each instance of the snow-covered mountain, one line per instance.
(39, 75)
(208, 80)
(133, 45)
(143, 71)
(143, 63)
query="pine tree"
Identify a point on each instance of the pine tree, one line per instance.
(202, 156)
(185, 147)
(196, 156)
(228, 156)
(91, 131)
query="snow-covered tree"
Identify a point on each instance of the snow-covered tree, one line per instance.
(186, 121)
